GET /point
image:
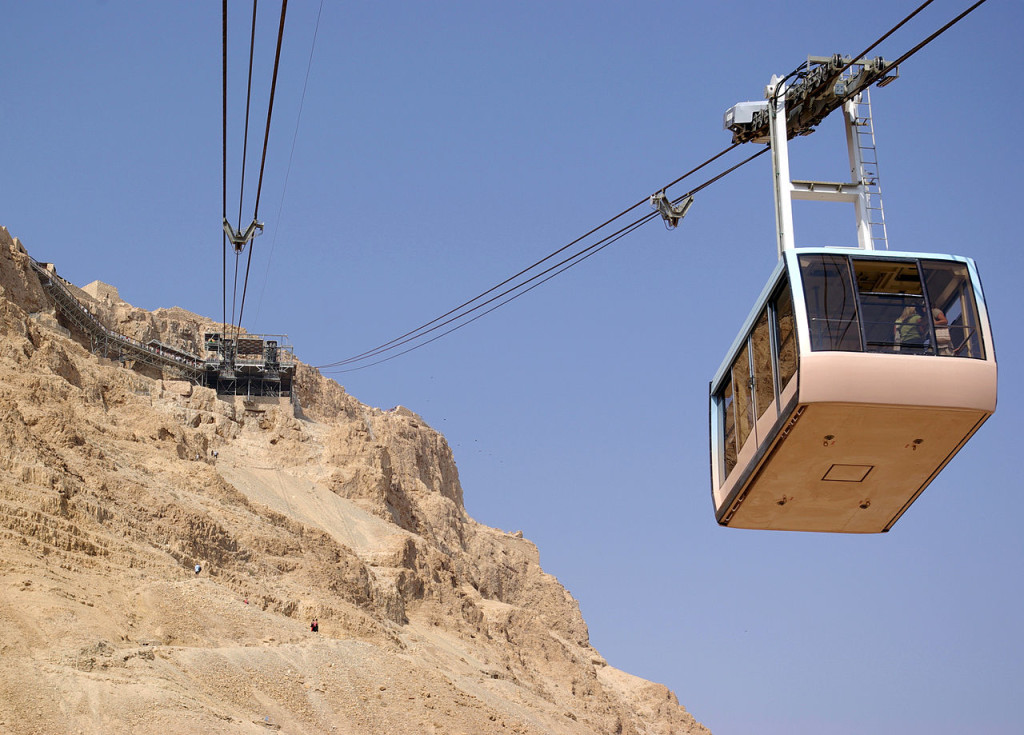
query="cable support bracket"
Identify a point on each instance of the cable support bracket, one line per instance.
(671, 213)
(238, 238)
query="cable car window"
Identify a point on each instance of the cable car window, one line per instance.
(728, 422)
(785, 337)
(764, 375)
(742, 392)
(831, 303)
(954, 310)
(892, 306)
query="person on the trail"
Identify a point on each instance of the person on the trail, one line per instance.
(314, 626)
(198, 569)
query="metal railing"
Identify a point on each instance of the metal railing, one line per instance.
(106, 341)
(953, 340)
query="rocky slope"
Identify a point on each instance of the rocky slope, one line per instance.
(109, 496)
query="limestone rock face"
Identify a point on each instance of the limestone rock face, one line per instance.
(110, 496)
(17, 284)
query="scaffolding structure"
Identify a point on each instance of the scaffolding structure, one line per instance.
(250, 365)
(253, 365)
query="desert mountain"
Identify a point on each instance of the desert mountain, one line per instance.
(314, 508)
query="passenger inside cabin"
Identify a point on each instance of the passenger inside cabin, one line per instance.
(943, 338)
(910, 331)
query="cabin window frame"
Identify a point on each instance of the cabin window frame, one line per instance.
(968, 292)
(967, 289)
(763, 372)
(822, 338)
(766, 309)
(899, 299)
(784, 289)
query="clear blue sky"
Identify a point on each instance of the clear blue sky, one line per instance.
(445, 145)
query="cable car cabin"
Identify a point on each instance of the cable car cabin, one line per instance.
(856, 378)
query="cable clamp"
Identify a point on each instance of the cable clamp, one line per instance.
(238, 238)
(670, 212)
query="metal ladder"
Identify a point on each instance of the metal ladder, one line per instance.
(868, 174)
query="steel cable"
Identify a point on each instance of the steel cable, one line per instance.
(550, 272)
(245, 146)
(937, 33)
(291, 156)
(424, 328)
(224, 163)
(518, 290)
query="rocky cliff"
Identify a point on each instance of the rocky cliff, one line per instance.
(110, 496)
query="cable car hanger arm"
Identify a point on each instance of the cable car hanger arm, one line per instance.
(238, 238)
(669, 212)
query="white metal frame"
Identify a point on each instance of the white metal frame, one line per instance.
(787, 189)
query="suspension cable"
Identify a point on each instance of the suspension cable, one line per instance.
(558, 268)
(248, 99)
(422, 329)
(595, 248)
(224, 164)
(550, 272)
(263, 159)
(291, 156)
(270, 105)
(518, 290)
(245, 150)
(884, 36)
(245, 147)
(937, 33)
